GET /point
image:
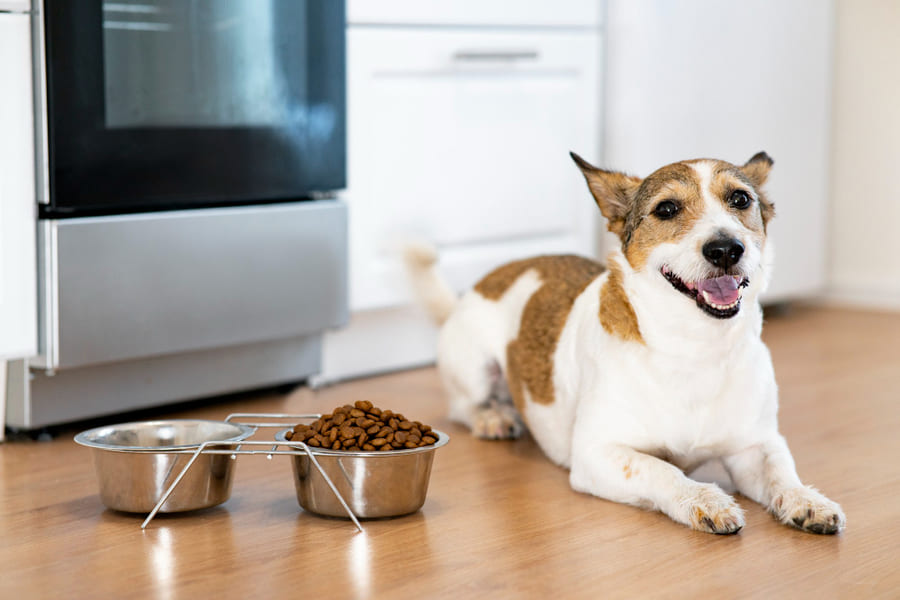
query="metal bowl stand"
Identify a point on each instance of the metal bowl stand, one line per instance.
(238, 448)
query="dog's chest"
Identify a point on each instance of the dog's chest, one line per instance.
(686, 407)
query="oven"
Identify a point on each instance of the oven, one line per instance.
(162, 104)
(191, 237)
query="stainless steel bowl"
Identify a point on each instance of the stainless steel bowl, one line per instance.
(136, 463)
(374, 484)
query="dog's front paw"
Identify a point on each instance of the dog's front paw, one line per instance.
(497, 421)
(807, 509)
(713, 511)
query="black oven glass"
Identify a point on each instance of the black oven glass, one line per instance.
(166, 104)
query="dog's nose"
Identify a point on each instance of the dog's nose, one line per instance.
(723, 252)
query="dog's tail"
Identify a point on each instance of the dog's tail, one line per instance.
(431, 289)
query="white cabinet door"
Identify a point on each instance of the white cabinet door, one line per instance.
(18, 320)
(695, 79)
(462, 138)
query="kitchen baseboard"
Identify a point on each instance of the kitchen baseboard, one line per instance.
(871, 299)
(377, 341)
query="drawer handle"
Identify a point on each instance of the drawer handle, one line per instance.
(495, 55)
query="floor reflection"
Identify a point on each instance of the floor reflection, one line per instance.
(360, 565)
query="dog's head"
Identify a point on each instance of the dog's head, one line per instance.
(700, 225)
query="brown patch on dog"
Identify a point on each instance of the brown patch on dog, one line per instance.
(726, 179)
(529, 357)
(643, 231)
(757, 172)
(628, 202)
(616, 313)
(612, 191)
(493, 285)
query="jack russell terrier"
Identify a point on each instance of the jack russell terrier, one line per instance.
(633, 375)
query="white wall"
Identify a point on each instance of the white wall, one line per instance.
(865, 156)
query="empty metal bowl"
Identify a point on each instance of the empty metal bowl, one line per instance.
(136, 463)
(374, 484)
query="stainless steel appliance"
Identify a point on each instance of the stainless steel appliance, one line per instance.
(190, 240)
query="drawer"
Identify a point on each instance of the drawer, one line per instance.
(136, 286)
(576, 13)
(462, 138)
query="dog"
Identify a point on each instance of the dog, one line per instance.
(634, 374)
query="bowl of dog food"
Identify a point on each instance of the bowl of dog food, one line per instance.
(136, 462)
(379, 461)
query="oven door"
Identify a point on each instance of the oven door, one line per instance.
(168, 104)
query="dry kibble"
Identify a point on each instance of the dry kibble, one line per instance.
(363, 427)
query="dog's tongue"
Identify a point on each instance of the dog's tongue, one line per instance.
(721, 290)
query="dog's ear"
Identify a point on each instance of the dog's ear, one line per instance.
(612, 191)
(757, 171)
(757, 168)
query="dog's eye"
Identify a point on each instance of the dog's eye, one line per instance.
(739, 199)
(666, 209)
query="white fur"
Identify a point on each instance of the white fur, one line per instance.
(475, 336)
(629, 419)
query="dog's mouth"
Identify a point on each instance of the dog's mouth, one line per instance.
(719, 297)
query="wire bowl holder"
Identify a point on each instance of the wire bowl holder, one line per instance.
(260, 447)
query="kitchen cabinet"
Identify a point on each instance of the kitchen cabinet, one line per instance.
(725, 80)
(465, 143)
(18, 320)
(18, 285)
(460, 136)
(15, 5)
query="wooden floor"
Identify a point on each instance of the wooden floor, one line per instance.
(499, 521)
